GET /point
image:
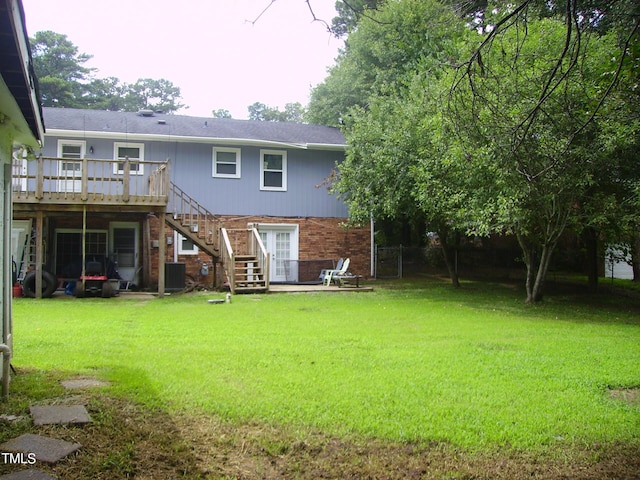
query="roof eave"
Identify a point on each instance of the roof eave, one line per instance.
(158, 137)
(25, 93)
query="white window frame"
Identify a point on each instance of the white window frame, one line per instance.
(238, 163)
(138, 161)
(178, 242)
(283, 187)
(72, 143)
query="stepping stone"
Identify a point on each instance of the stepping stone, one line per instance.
(47, 450)
(83, 383)
(60, 414)
(28, 475)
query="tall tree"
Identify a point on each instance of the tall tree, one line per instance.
(517, 140)
(293, 112)
(60, 69)
(349, 13)
(150, 94)
(221, 113)
(389, 42)
(536, 101)
(407, 42)
(66, 82)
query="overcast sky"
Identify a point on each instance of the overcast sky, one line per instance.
(208, 48)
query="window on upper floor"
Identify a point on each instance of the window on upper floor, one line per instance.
(273, 170)
(134, 152)
(226, 162)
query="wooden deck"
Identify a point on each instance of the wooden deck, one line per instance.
(55, 184)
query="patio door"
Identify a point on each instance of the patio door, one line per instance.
(123, 241)
(281, 242)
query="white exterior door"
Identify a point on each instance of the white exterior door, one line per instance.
(281, 243)
(70, 168)
(123, 246)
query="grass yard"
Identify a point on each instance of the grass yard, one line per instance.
(472, 376)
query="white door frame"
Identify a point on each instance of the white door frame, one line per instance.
(70, 180)
(128, 273)
(279, 271)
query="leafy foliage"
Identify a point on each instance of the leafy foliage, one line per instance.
(65, 82)
(527, 127)
(293, 112)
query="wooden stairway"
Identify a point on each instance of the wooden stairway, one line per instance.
(187, 217)
(245, 259)
(248, 274)
(247, 268)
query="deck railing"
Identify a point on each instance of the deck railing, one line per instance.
(65, 180)
(228, 259)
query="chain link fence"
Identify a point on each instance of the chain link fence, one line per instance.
(471, 258)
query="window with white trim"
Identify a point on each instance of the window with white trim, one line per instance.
(273, 170)
(134, 152)
(185, 245)
(226, 162)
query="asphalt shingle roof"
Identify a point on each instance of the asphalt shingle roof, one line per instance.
(185, 126)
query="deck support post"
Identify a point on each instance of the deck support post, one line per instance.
(162, 252)
(39, 251)
(84, 245)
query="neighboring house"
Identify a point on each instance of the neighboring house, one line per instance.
(20, 126)
(157, 194)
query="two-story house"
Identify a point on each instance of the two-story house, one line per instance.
(147, 191)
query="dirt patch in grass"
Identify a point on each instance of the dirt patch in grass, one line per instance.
(627, 395)
(130, 441)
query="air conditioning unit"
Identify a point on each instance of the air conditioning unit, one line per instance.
(175, 275)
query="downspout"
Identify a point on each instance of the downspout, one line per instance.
(5, 350)
(6, 301)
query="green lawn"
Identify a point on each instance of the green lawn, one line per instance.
(476, 367)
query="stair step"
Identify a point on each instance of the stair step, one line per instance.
(250, 285)
(245, 270)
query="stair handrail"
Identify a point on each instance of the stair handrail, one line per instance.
(258, 251)
(181, 203)
(228, 259)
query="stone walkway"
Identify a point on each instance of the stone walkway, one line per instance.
(29, 449)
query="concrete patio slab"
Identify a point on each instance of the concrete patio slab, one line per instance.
(286, 288)
(47, 450)
(28, 475)
(60, 415)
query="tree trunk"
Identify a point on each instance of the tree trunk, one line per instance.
(635, 257)
(591, 241)
(537, 268)
(449, 258)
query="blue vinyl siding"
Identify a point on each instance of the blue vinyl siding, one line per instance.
(191, 170)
